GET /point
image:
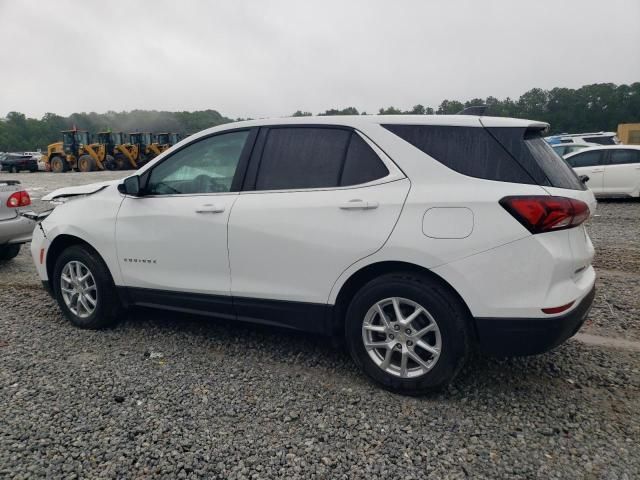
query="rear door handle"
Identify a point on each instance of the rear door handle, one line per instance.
(597, 170)
(358, 204)
(209, 208)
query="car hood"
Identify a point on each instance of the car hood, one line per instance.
(79, 190)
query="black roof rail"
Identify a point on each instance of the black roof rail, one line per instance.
(477, 110)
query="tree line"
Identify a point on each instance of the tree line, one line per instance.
(596, 107)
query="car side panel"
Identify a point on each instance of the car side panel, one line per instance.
(293, 245)
(622, 179)
(92, 219)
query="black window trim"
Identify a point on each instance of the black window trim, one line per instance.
(238, 177)
(252, 170)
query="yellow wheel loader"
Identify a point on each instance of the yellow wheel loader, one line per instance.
(75, 152)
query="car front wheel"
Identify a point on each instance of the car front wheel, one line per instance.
(84, 288)
(407, 332)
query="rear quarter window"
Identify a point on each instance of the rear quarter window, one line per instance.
(471, 151)
(504, 154)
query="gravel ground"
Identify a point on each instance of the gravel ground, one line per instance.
(173, 396)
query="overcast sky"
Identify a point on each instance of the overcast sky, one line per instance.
(270, 58)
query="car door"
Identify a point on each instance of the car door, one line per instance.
(622, 172)
(173, 238)
(591, 164)
(316, 200)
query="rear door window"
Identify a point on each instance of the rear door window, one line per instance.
(621, 157)
(586, 159)
(316, 157)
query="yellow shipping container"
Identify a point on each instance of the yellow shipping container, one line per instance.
(629, 133)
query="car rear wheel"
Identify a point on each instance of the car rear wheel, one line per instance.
(84, 288)
(407, 332)
(7, 252)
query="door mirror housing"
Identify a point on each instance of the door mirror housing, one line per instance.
(131, 186)
(584, 178)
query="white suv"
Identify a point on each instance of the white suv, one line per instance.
(415, 238)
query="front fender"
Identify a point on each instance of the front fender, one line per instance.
(93, 220)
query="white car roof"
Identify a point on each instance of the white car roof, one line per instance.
(355, 120)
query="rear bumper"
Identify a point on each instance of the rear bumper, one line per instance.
(530, 336)
(16, 230)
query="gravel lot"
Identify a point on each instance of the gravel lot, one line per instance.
(173, 396)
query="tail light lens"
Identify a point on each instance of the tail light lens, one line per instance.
(541, 213)
(18, 199)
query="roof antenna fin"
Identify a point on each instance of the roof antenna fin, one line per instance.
(477, 110)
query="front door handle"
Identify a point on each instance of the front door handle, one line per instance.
(358, 204)
(597, 170)
(209, 208)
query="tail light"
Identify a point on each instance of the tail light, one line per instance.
(18, 199)
(541, 213)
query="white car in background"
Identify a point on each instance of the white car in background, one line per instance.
(413, 238)
(613, 170)
(594, 138)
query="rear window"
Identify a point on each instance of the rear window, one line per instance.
(471, 151)
(600, 140)
(513, 155)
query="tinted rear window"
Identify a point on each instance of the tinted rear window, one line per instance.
(554, 167)
(468, 150)
(504, 154)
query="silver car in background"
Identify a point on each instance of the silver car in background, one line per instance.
(15, 229)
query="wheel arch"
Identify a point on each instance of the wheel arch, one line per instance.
(367, 273)
(62, 242)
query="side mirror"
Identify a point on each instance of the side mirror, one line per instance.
(584, 178)
(130, 186)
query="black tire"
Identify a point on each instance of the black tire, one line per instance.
(120, 162)
(58, 164)
(86, 163)
(108, 161)
(7, 252)
(108, 307)
(447, 312)
(14, 169)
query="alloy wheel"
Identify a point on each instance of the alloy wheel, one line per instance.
(401, 337)
(79, 290)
